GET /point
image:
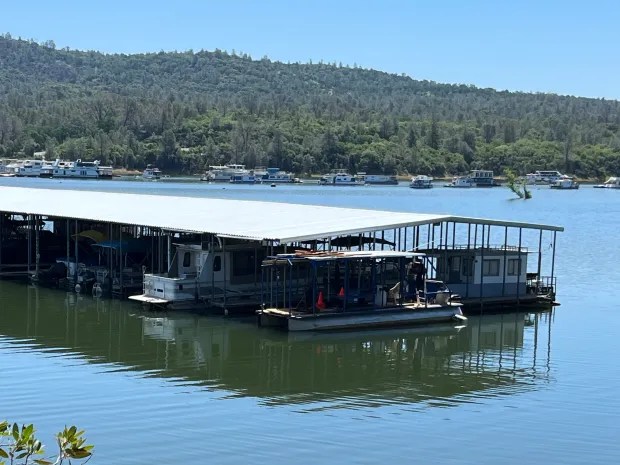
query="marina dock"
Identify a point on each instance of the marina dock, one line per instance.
(163, 250)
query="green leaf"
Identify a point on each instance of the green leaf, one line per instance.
(43, 462)
(3, 454)
(78, 453)
(15, 432)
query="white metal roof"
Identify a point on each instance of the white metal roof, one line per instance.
(283, 222)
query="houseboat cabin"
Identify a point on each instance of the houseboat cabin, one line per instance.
(206, 275)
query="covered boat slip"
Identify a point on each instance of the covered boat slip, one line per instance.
(29, 214)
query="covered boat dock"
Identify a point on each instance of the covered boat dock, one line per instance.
(138, 233)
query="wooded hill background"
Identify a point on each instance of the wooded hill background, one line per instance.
(187, 110)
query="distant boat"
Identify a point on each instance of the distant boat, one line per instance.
(340, 178)
(565, 182)
(80, 170)
(224, 173)
(274, 175)
(151, 173)
(421, 182)
(542, 177)
(611, 183)
(379, 179)
(475, 178)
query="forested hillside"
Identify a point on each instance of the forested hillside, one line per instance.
(185, 111)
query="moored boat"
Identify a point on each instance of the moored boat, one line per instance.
(340, 178)
(542, 177)
(81, 170)
(564, 182)
(151, 173)
(345, 290)
(475, 178)
(224, 173)
(378, 179)
(275, 175)
(611, 183)
(421, 182)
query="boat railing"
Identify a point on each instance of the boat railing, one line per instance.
(541, 285)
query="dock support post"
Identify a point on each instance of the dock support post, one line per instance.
(482, 269)
(1, 234)
(505, 260)
(225, 270)
(555, 233)
(29, 242)
(75, 249)
(37, 255)
(169, 247)
(538, 268)
(67, 226)
(519, 268)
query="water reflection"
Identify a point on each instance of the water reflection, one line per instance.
(440, 365)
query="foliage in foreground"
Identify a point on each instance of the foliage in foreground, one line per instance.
(19, 446)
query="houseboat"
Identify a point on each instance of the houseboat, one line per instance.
(344, 290)
(7, 168)
(490, 276)
(223, 173)
(340, 178)
(421, 182)
(82, 170)
(30, 168)
(475, 178)
(151, 173)
(206, 275)
(275, 175)
(543, 177)
(378, 179)
(244, 178)
(564, 182)
(611, 183)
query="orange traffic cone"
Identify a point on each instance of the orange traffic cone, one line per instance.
(320, 303)
(341, 293)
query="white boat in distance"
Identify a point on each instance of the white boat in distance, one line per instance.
(224, 173)
(542, 177)
(611, 183)
(274, 175)
(81, 170)
(378, 179)
(151, 173)
(421, 182)
(475, 178)
(30, 168)
(340, 178)
(565, 182)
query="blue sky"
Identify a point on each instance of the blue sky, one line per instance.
(566, 47)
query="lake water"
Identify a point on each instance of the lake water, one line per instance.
(182, 388)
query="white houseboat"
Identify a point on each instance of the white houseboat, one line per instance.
(82, 170)
(340, 178)
(542, 177)
(224, 173)
(378, 179)
(421, 182)
(345, 290)
(30, 168)
(244, 178)
(611, 183)
(475, 178)
(275, 175)
(151, 173)
(564, 182)
(206, 275)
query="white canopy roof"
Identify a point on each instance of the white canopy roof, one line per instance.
(254, 220)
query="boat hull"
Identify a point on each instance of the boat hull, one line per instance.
(358, 320)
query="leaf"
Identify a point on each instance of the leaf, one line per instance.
(78, 453)
(3, 454)
(15, 432)
(43, 462)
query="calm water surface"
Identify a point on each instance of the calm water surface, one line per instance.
(182, 388)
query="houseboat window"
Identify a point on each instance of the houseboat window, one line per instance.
(490, 267)
(467, 267)
(514, 266)
(244, 263)
(187, 260)
(456, 264)
(217, 263)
